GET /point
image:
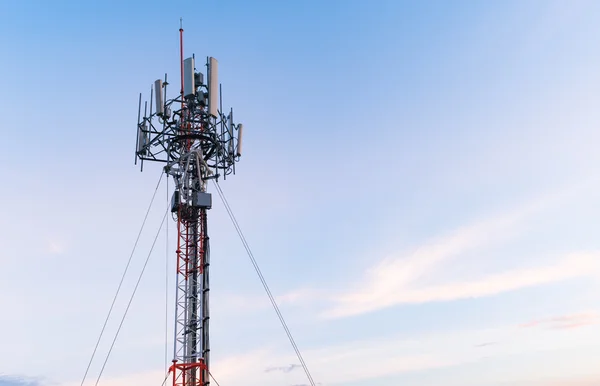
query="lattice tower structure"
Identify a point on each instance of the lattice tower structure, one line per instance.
(197, 142)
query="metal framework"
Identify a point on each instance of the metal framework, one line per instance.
(197, 142)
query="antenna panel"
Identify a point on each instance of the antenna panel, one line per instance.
(230, 132)
(199, 79)
(158, 93)
(239, 144)
(142, 140)
(213, 87)
(189, 87)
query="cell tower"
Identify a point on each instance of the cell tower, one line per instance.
(196, 140)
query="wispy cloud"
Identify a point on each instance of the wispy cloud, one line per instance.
(329, 365)
(55, 247)
(388, 356)
(285, 369)
(398, 279)
(581, 381)
(565, 321)
(486, 344)
(142, 378)
(17, 380)
(391, 292)
(298, 295)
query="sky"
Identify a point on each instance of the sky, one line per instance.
(419, 185)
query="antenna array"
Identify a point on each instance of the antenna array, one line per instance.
(196, 115)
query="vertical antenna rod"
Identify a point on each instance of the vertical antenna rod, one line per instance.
(181, 53)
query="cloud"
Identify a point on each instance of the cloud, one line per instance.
(575, 265)
(285, 369)
(299, 295)
(565, 321)
(141, 378)
(485, 344)
(330, 365)
(15, 380)
(334, 364)
(361, 361)
(55, 247)
(398, 279)
(586, 381)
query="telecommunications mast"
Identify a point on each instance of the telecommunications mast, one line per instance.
(197, 142)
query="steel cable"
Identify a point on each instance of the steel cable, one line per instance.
(131, 298)
(112, 305)
(264, 282)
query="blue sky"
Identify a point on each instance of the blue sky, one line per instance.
(419, 185)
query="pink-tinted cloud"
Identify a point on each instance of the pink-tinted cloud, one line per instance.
(564, 322)
(390, 286)
(587, 381)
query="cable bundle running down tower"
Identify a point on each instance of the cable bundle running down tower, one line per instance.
(197, 142)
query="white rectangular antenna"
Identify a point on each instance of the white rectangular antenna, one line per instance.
(189, 88)
(230, 132)
(158, 92)
(142, 139)
(239, 144)
(213, 87)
